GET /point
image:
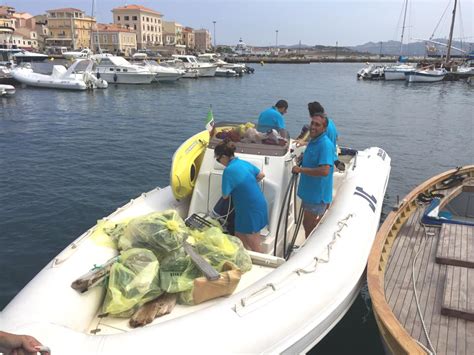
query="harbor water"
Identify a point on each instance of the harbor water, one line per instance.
(69, 158)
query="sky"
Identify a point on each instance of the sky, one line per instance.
(313, 22)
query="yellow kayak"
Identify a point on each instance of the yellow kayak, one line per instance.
(186, 163)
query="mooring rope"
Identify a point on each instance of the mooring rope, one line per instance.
(418, 308)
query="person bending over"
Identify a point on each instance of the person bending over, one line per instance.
(316, 180)
(240, 180)
(272, 118)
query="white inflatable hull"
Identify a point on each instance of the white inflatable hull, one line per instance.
(274, 310)
(28, 77)
(7, 90)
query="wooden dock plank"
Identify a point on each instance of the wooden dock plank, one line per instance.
(456, 245)
(456, 296)
(401, 248)
(427, 292)
(402, 279)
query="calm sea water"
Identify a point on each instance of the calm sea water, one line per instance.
(70, 158)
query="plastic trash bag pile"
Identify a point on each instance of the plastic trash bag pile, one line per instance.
(153, 260)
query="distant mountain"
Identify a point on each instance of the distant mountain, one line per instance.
(411, 49)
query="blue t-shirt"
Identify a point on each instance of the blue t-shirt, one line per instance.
(317, 189)
(270, 119)
(240, 181)
(331, 131)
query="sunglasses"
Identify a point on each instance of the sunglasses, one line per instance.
(218, 158)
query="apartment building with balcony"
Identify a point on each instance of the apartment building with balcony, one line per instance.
(146, 22)
(17, 29)
(114, 39)
(203, 40)
(188, 39)
(173, 37)
(70, 27)
(42, 30)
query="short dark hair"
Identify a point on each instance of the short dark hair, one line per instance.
(281, 104)
(315, 109)
(226, 147)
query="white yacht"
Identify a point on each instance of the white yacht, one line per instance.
(22, 56)
(189, 73)
(77, 77)
(213, 58)
(204, 69)
(85, 53)
(162, 73)
(397, 72)
(118, 70)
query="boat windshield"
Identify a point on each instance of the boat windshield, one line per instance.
(247, 143)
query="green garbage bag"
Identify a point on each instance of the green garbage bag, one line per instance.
(217, 248)
(133, 281)
(177, 272)
(160, 232)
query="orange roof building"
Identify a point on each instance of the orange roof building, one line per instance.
(146, 22)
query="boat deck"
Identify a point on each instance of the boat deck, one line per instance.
(437, 285)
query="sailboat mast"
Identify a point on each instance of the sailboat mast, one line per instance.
(448, 53)
(403, 26)
(91, 32)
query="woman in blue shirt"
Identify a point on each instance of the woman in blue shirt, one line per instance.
(240, 180)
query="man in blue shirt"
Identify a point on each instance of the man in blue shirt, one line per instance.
(316, 179)
(272, 118)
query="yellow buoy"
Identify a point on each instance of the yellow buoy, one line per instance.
(186, 163)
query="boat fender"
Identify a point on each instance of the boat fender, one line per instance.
(115, 77)
(97, 75)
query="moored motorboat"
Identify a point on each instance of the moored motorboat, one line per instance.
(7, 90)
(118, 70)
(190, 61)
(279, 305)
(162, 73)
(420, 273)
(371, 72)
(77, 77)
(425, 75)
(226, 73)
(397, 72)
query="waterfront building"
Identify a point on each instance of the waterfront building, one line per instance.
(19, 29)
(42, 30)
(188, 39)
(114, 39)
(202, 39)
(173, 37)
(69, 28)
(146, 22)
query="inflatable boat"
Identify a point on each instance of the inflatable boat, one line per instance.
(295, 293)
(77, 77)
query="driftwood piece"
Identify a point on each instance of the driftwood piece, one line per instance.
(93, 277)
(153, 309)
